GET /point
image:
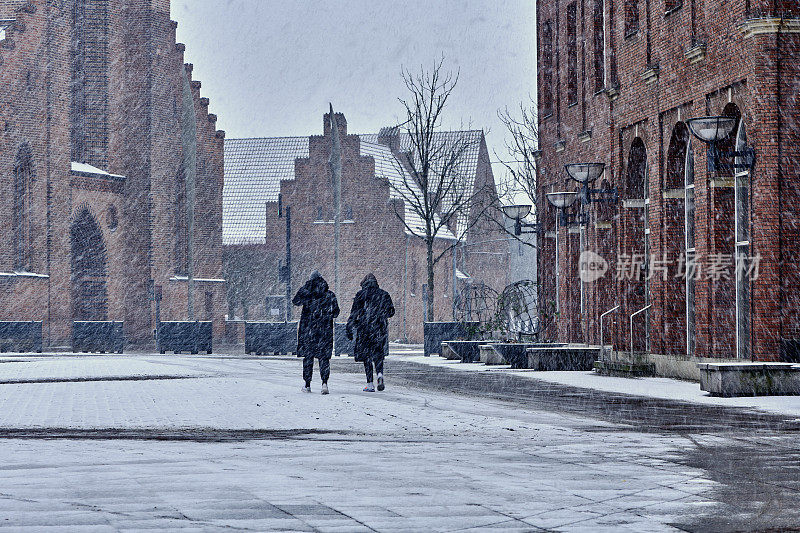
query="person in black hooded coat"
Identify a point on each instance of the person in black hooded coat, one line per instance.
(369, 317)
(315, 332)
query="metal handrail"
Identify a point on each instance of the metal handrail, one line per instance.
(642, 310)
(602, 346)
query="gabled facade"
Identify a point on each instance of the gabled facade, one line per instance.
(618, 81)
(103, 136)
(267, 177)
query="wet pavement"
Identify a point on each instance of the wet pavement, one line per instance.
(220, 443)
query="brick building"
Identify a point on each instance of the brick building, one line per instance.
(264, 177)
(106, 148)
(618, 81)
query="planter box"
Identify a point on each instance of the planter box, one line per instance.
(490, 356)
(21, 336)
(98, 336)
(464, 351)
(343, 345)
(551, 358)
(515, 354)
(177, 337)
(270, 338)
(750, 379)
(438, 332)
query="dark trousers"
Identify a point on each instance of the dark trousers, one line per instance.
(308, 369)
(368, 367)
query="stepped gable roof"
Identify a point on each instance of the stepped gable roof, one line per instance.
(468, 168)
(389, 168)
(254, 169)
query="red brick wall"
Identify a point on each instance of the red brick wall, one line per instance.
(755, 73)
(375, 242)
(144, 145)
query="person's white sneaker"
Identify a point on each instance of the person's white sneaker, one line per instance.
(381, 386)
(307, 388)
(324, 388)
(369, 388)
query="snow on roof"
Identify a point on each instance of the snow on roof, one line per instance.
(84, 168)
(467, 170)
(388, 167)
(254, 169)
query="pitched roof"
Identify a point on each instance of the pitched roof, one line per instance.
(254, 169)
(389, 168)
(468, 164)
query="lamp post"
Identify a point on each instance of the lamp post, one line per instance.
(713, 130)
(561, 200)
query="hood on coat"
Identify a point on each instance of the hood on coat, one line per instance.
(369, 281)
(318, 283)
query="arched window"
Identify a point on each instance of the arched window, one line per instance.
(23, 174)
(637, 171)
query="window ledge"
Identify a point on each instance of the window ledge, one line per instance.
(675, 9)
(630, 36)
(573, 104)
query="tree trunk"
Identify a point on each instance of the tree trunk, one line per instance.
(430, 292)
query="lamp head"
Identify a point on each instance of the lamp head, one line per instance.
(516, 212)
(711, 129)
(562, 199)
(585, 172)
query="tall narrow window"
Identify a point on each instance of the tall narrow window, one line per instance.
(181, 224)
(89, 111)
(23, 172)
(745, 267)
(547, 68)
(572, 53)
(631, 17)
(690, 257)
(599, 45)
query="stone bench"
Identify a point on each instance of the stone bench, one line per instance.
(750, 378)
(570, 357)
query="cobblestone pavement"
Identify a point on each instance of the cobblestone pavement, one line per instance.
(226, 443)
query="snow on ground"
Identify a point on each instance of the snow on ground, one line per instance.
(664, 388)
(404, 460)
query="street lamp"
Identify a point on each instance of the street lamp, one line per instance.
(517, 213)
(563, 200)
(713, 130)
(586, 173)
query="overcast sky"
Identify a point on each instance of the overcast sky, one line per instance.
(270, 67)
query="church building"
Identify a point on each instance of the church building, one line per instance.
(112, 170)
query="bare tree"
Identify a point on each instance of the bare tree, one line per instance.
(445, 201)
(521, 149)
(520, 164)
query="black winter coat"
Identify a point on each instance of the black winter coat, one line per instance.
(315, 332)
(369, 317)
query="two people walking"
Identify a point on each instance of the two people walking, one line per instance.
(368, 323)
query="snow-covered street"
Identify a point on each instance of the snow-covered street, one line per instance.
(205, 443)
